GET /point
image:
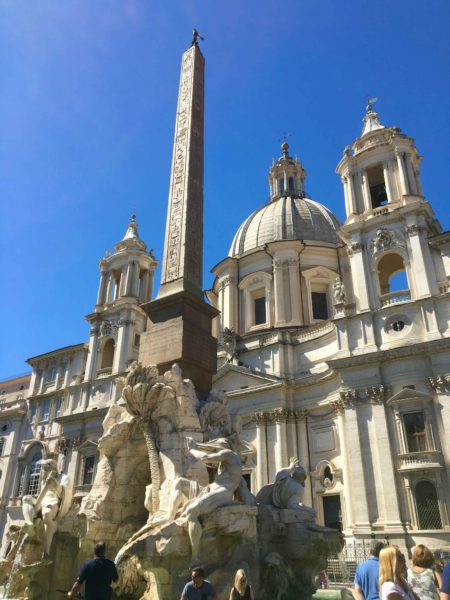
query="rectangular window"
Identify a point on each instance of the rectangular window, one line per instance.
(51, 374)
(137, 339)
(46, 409)
(281, 185)
(33, 480)
(58, 407)
(260, 310)
(21, 481)
(88, 470)
(319, 305)
(2, 445)
(416, 435)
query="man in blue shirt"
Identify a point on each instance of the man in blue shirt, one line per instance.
(199, 588)
(445, 588)
(367, 573)
(98, 575)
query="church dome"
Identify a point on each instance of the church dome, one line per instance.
(286, 218)
(290, 215)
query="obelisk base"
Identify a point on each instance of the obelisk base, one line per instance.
(180, 332)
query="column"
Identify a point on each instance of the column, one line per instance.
(351, 193)
(261, 450)
(281, 455)
(271, 438)
(91, 364)
(280, 311)
(359, 277)
(109, 287)
(145, 280)
(348, 209)
(401, 171)
(387, 181)
(411, 177)
(358, 472)
(294, 288)
(366, 191)
(349, 513)
(123, 283)
(303, 453)
(134, 287)
(421, 262)
(387, 496)
(101, 288)
(122, 350)
(42, 378)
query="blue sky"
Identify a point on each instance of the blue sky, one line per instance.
(87, 109)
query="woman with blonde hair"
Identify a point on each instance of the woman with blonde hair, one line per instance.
(421, 576)
(241, 589)
(393, 585)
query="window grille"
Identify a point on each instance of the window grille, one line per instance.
(427, 506)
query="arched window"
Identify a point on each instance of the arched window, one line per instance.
(427, 506)
(108, 354)
(393, 279)
(29, 476)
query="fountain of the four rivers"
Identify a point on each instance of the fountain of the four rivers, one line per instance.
(168, 492)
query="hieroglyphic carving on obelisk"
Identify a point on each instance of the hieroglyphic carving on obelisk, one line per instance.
(183, 246)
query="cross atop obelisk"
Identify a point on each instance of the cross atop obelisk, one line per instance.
(180, 329)
(183, 246)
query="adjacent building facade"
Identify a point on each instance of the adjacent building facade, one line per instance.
(333, 346)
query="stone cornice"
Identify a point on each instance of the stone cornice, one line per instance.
(59, 353)
(380, 356)
(440, 239)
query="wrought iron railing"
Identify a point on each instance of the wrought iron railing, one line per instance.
(395, 297)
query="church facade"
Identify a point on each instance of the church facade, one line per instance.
(333, 347)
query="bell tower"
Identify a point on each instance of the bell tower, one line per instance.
(126, 282)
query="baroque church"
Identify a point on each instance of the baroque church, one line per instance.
(333, 346)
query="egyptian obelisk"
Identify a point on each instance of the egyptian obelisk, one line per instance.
(180, 319)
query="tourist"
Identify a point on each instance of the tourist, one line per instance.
(241, 589)
(98, 575)
(421, 576)
(445, 587)
(199, 588)
(393, 585)
(367, 574)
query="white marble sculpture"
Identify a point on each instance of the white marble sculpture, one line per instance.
(288, 489)
(223, 454)
(50, 505)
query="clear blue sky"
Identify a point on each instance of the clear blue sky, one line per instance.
(87, 107)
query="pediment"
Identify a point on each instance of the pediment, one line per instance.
(87, 445)
(233, 377)
(408, 395)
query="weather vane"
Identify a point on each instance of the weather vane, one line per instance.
(195, 37)
(370, 101)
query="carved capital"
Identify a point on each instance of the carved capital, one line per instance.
(376, 394)
(338, 406)
(440, 383)
(260, 418)
(281, 415)
(348, 397)
(355, 247)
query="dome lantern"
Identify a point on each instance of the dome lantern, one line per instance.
(286, 176)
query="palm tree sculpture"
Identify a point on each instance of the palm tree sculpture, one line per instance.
(141, 390)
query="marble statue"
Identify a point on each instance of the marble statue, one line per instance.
(338, 291)
(50, 505)
(288, 489)
(223, 454)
